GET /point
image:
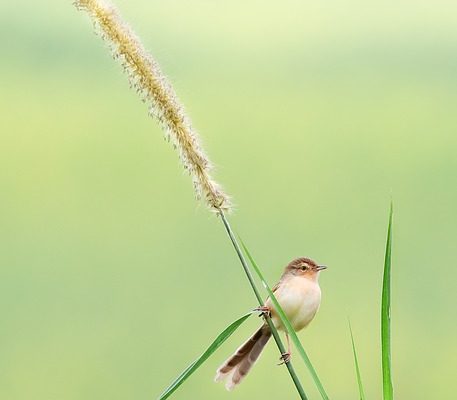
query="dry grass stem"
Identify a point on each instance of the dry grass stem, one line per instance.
(153, 88)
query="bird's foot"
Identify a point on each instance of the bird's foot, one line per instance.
(263, 310)
(285, 358)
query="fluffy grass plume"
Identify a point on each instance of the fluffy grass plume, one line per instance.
(153, 88)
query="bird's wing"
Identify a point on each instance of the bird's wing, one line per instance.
(275, 287)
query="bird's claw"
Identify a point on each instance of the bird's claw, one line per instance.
(263, 310)
(285, 358)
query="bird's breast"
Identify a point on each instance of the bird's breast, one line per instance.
(300, 298)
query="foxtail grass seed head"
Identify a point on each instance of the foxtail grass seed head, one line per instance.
(153, 88)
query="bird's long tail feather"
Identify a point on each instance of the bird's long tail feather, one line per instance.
(239, 364)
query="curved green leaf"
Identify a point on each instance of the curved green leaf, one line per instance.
(288, 326)
(357, 369)
(200, 360)
(385, 317)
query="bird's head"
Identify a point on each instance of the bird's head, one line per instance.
(306, 267)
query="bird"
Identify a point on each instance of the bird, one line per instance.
(299, 294)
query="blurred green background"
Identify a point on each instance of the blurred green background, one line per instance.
(113, 278)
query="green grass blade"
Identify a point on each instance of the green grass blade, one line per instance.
(385, 317)
(357, 369)
(200, 360)
(288, 326)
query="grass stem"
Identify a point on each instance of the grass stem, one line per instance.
(268, 320)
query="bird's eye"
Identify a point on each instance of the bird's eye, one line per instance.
(304, 267)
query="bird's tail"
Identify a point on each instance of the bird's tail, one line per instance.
(239, 364)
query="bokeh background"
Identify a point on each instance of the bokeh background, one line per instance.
(113, 278)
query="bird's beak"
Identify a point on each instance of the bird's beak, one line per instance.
(321, 267)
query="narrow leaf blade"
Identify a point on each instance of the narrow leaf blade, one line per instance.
(385, 316)
(357, 369)
(223, 336)
(287, 324)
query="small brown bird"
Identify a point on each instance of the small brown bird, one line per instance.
(299, 295)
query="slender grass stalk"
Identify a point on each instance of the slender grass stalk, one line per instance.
(387, 386)
(356, 362)
(147, 79)
(268, 320)
(288, 326)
